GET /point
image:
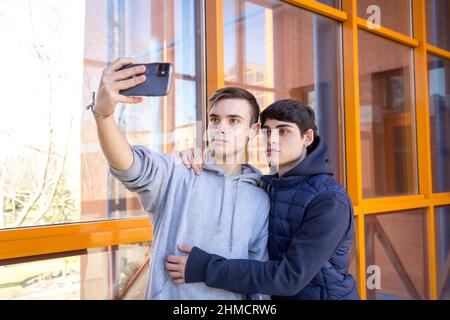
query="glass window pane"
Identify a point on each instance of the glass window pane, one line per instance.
(388, 143)
(442, 226)
(395, 15)
(439, 106)
(263, 55)
(61, 174)
(40, 128)
(396, 243)
(437, 19)
(332, 3)
(118, 272)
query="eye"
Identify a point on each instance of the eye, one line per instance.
(234, 121)
(282, 132)
(214, 120)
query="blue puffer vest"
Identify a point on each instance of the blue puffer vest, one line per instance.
(290, 196)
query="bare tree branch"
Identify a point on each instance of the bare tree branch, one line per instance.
(60, 174)
(42, 185)
(34, 148)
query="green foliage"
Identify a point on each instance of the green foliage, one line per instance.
(63, 207)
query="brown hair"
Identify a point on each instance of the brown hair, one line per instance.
(236, 93)
(291, 111)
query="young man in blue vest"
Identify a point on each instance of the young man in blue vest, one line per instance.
(311, 222)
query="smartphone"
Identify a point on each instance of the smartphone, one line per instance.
(157, 83)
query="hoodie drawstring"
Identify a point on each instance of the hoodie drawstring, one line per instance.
(235, 205)
(222, 204)
(234, 212)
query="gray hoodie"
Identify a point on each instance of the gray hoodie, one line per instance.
(221, 214)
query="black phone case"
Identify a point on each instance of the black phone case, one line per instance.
(154, 85)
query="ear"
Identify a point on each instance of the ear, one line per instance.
(254, 130)
(309, 137)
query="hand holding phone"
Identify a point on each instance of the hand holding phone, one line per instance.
(129, 85)
(157, 83)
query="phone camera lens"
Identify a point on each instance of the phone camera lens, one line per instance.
(163, 70)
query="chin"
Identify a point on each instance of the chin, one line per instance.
(274, 160)
(218, 152)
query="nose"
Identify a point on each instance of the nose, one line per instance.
(273, 138)
(221, 127)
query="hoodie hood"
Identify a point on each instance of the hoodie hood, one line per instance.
(316, 162)
(249, 173)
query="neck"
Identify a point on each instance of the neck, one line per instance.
(290, 165)
(231, 169)
(233, 166)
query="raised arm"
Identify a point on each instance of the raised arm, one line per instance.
(139, 169)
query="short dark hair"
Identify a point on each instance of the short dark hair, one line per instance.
(291, 111)
(236, 93)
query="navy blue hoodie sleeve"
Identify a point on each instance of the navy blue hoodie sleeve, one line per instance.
(326, 221)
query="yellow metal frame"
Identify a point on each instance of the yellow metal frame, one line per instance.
(25, 242)
(352, 129)
(438, 51)
(61, 238)
(320, 8)
(214, 46)
(388, 34)
(423, 135)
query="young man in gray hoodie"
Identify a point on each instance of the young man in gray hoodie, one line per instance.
(223, 210)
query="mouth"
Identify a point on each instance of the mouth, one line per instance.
(219, 140)
(270, 151)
